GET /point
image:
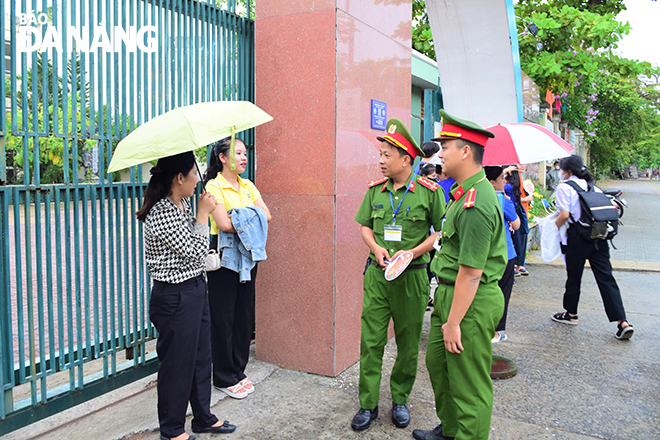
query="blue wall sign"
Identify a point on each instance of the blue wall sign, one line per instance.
(378, 115)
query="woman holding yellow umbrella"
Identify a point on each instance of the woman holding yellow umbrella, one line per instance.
(175, 248)
(232, 287)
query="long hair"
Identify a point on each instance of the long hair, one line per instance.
(160, 184)
(215, 165)
(575, 165)
(514, 180)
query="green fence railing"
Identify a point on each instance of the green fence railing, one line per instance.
(74, 288)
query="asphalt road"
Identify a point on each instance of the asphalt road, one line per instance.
(639, 237)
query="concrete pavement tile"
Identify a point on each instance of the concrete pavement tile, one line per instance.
(573, 382)
(507, 429)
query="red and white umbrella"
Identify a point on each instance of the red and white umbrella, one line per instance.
(523, 143)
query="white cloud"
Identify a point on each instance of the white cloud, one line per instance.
(642, 41)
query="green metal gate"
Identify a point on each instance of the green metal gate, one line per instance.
(73, 284)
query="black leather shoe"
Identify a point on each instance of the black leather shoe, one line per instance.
(434, 434)
(363, 418)
(400, 415)
(225, 428)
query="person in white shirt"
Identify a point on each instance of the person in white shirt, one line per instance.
(578, 249)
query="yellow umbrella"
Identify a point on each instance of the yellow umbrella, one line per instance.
(186, 129)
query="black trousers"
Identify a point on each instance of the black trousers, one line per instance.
(520, 244)
(506, 284)
(180, 313)
(430, 274)
(578, 250)
(232, 318)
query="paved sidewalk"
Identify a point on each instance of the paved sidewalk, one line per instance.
(573, 382)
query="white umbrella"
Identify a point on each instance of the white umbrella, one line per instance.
(186, 129)
(523, 143)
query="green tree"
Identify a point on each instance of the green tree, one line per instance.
(615, 118)
(51, 151)
(601, 93)
(647, 151)
(422, 38)
(240, 6)
(577, 43)
(613, 100)
(51, 146)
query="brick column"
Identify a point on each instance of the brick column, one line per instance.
(318, 66)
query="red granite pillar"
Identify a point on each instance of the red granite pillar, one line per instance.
(319, 63)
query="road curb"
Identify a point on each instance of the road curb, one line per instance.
(534, 258)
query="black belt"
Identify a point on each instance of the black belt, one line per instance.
(446, 283)
(412, 266)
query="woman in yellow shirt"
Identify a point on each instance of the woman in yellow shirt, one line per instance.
(231, 302)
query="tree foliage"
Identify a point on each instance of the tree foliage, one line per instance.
(44, 114)
(602, 94)
(613, 100)
(240, 7)
(616, 119)
(578, 41)
(422, 39)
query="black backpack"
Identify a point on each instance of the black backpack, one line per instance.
(600, 218)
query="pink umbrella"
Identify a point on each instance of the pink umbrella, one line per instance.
(523, 143)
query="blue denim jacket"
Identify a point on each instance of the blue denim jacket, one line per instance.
(243, 250)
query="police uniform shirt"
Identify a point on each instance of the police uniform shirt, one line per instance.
(422, 207)
(473, 233)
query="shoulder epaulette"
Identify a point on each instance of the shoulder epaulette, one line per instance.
(376, 182)
(428, 184)
(470, 197)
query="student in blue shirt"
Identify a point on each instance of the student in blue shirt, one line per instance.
(495, 175)
(445, 182)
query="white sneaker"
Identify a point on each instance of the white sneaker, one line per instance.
(499, 337)
(237, 391)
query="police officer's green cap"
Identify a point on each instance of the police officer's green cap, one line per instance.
(399, 136)
(455, 128)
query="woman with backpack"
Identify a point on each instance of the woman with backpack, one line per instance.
(578, 249)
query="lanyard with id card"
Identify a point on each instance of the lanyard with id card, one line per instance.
(394, 232)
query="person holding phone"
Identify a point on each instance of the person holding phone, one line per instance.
(176, 243)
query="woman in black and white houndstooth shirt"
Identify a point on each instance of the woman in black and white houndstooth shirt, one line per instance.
(176, 244)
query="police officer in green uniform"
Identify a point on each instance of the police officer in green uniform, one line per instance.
(396, 216)
(470, 259)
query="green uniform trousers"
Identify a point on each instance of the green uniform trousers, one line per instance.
(404, 299)
(461, 382)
